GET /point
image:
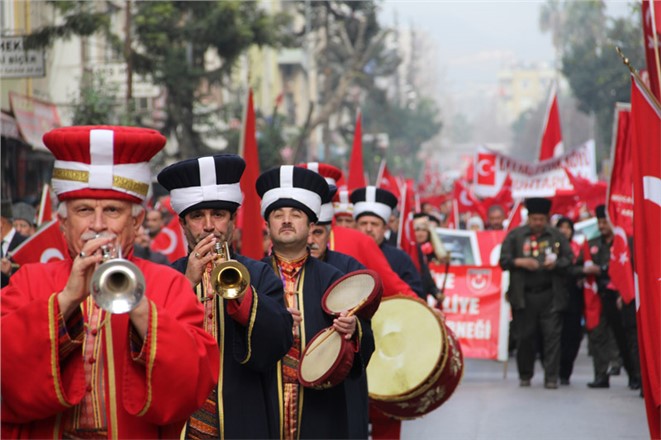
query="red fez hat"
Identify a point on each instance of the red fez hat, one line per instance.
(329, 172)
(103, 162)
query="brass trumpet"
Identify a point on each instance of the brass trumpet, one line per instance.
(229, 278)
(117, 284)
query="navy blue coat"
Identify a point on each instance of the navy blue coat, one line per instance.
(250, 356)
(325, 413)
(403, 266)
(343, 262)
(357, 395)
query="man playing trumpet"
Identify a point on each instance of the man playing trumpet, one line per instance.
(247, 317)
(71, 369)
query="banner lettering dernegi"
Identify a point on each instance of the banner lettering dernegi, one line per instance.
(475, 309)
(540, 179)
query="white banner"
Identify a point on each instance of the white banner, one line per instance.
(540, 179)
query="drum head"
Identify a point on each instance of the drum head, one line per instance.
(319, 357)
(409, 344)
(350, 291)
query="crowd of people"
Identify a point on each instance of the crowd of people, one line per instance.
(188, 360)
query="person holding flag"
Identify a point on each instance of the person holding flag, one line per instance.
(616, 316)
(252, 332)
(71, 369)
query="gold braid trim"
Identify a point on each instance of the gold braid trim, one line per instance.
(253, 313)
(118, 182)
(54, 346)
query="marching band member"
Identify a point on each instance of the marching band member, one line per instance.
(291, 201)
(372, 209)
(71, 369)
(253, 332)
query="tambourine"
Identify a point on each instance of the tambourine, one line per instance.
(359, 291)
(326, 360)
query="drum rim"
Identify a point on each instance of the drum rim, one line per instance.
(443, 357)
(375, 294)
(452, 382)
(323, 382)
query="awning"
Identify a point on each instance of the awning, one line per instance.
(34, 118)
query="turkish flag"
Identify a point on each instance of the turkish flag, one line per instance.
(387, 181)
(651, 11)
(406, 234)
(250, 221)
(45, 207)
(516, 216)
(551, 145)
(170, 241)
(646, 160)
(590, 293)
(620, 190)
(485, 170)
(466, 201)
(48, 244)
(503, 198)
(356, 177)
(619, 267)
(593, 194)
(566, 203)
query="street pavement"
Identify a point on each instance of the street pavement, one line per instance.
(488, 405)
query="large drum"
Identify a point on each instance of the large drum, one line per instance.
(417, 363)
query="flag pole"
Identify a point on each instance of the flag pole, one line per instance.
(634, 72)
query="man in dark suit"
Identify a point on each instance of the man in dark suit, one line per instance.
(10, 240)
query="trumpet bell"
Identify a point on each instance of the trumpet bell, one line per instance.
(117, 286)
(230, 279)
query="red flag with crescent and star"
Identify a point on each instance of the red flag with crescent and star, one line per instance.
(170, 241)
(48, 244)
(646, 162)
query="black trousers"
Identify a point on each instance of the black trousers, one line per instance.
(538, 318)
(570, 342)
(612, 319)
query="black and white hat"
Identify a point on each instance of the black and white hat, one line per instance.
(327, 210)
(210, 182)
(373, 201)
(293, 187)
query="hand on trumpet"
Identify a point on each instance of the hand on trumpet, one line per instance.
(345, 325)
(199, 258)
(82, 269)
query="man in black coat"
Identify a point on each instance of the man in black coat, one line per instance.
(254, 330)
(10, 240)
(291, 203)
(372, 209)
(537, 256)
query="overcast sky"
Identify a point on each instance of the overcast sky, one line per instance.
(476, 38)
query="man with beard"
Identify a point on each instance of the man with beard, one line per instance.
(253, 331)
(537, 256)
(291, 203)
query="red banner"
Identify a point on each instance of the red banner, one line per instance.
(652, 35)
(475, 310)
